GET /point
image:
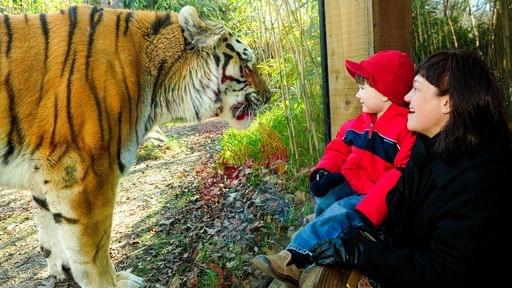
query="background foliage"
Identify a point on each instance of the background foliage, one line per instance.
(479, 25)
(285, 37)
(287, 136)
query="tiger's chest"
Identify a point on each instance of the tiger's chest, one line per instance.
(18, 172)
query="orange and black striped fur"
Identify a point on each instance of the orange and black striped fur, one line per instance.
(79, 90)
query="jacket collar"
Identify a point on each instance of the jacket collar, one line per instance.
(391, 112)
(422, 151)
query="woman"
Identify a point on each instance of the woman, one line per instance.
(449, 213)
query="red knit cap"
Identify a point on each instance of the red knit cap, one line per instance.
(389, 71)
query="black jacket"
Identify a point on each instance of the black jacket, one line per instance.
(447, 222)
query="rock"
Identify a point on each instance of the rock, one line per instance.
(263, 282)
(277, 284)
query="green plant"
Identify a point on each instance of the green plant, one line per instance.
(267, 140)
(308, 208)
(173, 144)
(151, 151)
(240, 146)
(255, 179)
(208, 278)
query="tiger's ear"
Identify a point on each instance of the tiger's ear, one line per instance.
(201, 34)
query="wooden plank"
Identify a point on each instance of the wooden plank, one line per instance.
(348, 37)
(324, 276)
(354, 30)
(392, 25)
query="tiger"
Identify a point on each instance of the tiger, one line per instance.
(79, 90)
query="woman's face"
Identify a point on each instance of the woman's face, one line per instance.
(428, 112)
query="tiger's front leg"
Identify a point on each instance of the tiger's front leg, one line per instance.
(49, 242)
(81, 207)
(86, 242)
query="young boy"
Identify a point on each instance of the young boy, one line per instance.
(359, 167)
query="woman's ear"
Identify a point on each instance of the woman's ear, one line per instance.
(446, 106)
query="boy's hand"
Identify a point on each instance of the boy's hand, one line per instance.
(322, 181)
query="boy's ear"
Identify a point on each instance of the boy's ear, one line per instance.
(384, 98)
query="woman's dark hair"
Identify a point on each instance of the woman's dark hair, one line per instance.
(477, 103)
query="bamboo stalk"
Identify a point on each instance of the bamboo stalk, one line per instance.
(292, 46)
(473, 25)
(419, 39)
(303, 89)
(429, 28)
(505, 32)
(446, 4)
(283, 86)
(261, 30)
(492, 47)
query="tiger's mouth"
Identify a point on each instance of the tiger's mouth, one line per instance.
(242, 111)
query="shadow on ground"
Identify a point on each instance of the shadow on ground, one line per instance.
(179, 222)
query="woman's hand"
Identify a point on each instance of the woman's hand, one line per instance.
(337, 251)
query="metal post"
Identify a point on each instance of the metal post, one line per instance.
(325, 75)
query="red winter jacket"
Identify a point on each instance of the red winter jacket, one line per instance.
(369, 153)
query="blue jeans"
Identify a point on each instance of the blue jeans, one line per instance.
(334, 217)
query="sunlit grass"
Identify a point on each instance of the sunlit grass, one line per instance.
(35, 6)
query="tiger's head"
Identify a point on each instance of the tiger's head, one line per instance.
(240, 91)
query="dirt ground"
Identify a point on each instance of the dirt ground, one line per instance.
(179, 221)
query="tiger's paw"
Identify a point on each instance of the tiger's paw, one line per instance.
(55, 267)
(56, 272)
(125, 279)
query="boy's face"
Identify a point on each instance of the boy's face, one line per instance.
(372, 101)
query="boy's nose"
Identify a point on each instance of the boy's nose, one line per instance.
(407, 97)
